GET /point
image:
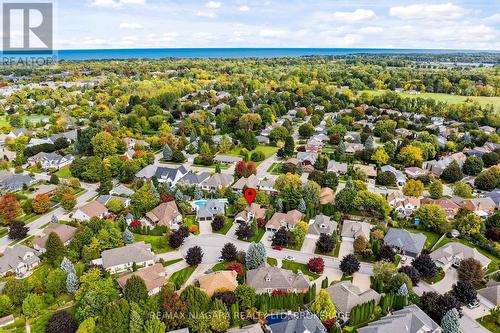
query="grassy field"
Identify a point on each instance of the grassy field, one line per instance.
(495, 261)
(35, 118)
(431, 237)
(180, 277)
(272, 262)
(64, 172)
(267, 150)
(451, 99)
(159, 244)
(295, 267)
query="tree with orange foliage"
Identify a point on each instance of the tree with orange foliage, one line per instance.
(41, 203)
(9, 208)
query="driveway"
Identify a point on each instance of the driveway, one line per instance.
(309, 245)
(469, 325)
(265, 239)
(478, 312)
(205, 227)
(450, 278)
(346, 247)
(362, 281)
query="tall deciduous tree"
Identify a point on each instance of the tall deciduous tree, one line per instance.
(55, 248)
(9, 208)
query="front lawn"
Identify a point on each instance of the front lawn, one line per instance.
(437, 277)
(171, 262)
(64, 172)
(431, 237)
(490, 323)
(272, 262)
(495, 261)
(257, 237)
(159, 244)
(295, 267)
(227, 225)
(180, 277)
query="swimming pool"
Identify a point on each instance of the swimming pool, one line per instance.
(199, 203)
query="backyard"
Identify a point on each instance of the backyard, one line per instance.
(159, 244)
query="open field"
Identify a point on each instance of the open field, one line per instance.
(451, 99)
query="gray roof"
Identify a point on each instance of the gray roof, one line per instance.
(105, 198)
(276, 278)
(211, 208)
(405, 240)
(122, 190)
(13, 256)
(346, 295)
(494, 195)
(407, 320)
(135, 252)
(491, 293)
(16, 182)
(194, 178)
(150, 171)
(322, 225)
(219, 179)
(300, 322)
(446, 254)
(227, 159)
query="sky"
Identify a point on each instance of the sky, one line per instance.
(88, 24)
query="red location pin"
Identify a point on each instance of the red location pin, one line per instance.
(249, 195)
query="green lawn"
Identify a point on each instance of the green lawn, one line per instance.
(437, 277)
(171, 262)
(489, 322)
(257, 237)
(219, 266)
(495, 261)
(159, 244)
(180, 277)
(267, 150)
(295, 267)
(448, 98)
(227, 225)
(272, 262)
(275, 168)
(431, 237)
(64, 172)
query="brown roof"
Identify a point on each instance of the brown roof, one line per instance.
(164, 213)
(447, 205)
(327, 196)
(93, 209)
(65, 233)
(369, 170)
(153, 276)
(212, 282)
(258, 211)
(292, 218)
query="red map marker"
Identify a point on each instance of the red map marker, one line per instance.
(249, 195)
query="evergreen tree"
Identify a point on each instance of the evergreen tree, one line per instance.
(115, 317)
(197, 193)
(179, 196)
(289, 147)
(370, 143)
(256, 255)
(128, 237)
(167, 153)
(105, 184)
(136, 320)
(450, 323)
(67, 266)
(340, 151)
(54, 248)
(218, 168)
(154, 325)
(302, 206)
(135, 290)
(155, 191)
(323, 306)
(72, 283)
(403, 290)
(54, 219)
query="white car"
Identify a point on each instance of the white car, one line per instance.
(220, 259)
(474, 304)
(290, 258)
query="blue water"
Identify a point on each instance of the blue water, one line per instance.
(233, 52)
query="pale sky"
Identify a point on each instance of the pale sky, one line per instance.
(84, 24)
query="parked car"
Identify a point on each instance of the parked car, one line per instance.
(290, 258)
(220, 259)
(474, 304)
(278, 248)
(403, 259)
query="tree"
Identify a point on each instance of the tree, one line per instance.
(325, 243)
(128, 236)
(424, 265)
(67, 266)
(245, 295)
(472, 166)
(255, 256)
(103, 144)
(68, 201)
(16, 290)
(194, 256)
(278, 133)
(412, 273)
(344, 200)
(463, 190)
(360, 244)
(174, 307)
(175, 240)
(218, 222)
(135, 290)
(450, 322)
(469, 224)
(383, 270)
(289, 147)
(386, 178)
(403, 290)
(436, 305)
(105, 184)
(349, 264)
(32, 305)
(54, 179)
(323, 306)
(452, 173)
(385, 252)
(464, 291)
(306, 130)
(396, 281)
(55, 283)
(488, 180)
(143, 200)
(281, 237)
(244, 231)
(61, 322)
(372, 203)
(18, 230)
(72, 283)
(413, 188)
(229, 252)
(379, 156)
(470, 270)
(5, 305)
(340, 151)
(41, 203)
(9, 208)
(154, 325)
(316, 265)
(115, 317)
(311, 194)
(410, 156)
(432, 216)
(436, 189)
(55, 248)
(136, 324)
(490, 159)
(167, 153)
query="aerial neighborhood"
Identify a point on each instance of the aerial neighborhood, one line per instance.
(123, 205)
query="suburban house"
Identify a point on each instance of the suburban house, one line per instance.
(267, 186)
(314, 146)
(228, 160)
(495, 196)
(121, 191)
(415, 172)
(190, 178)
(255, 328)
(251, 212)
(220, 280)
(65, 233)
(322, 224)
(217, 181)
(450, 208)
(437, 167)
(480, 206)
(48, 189)
(307, 158)
(352, 229)
(210, 209)
(165, 214)
(50, 160)
(453, 252)
(346, 295)
(410, 319)
(104, 199)
(251, 182)
(15, 182)
(154, 278)
(402, 204)
(353, 148)
(163, 174)
(7, 320)
(267, 279)
(18, 132)
(287, 220)
(18, 260)
(337, 167)
(402, 240)
(400, 176)
(300, 322)
(369, 170)
(90, 210)
(326, 196)
(123, 258)
(490, 296)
